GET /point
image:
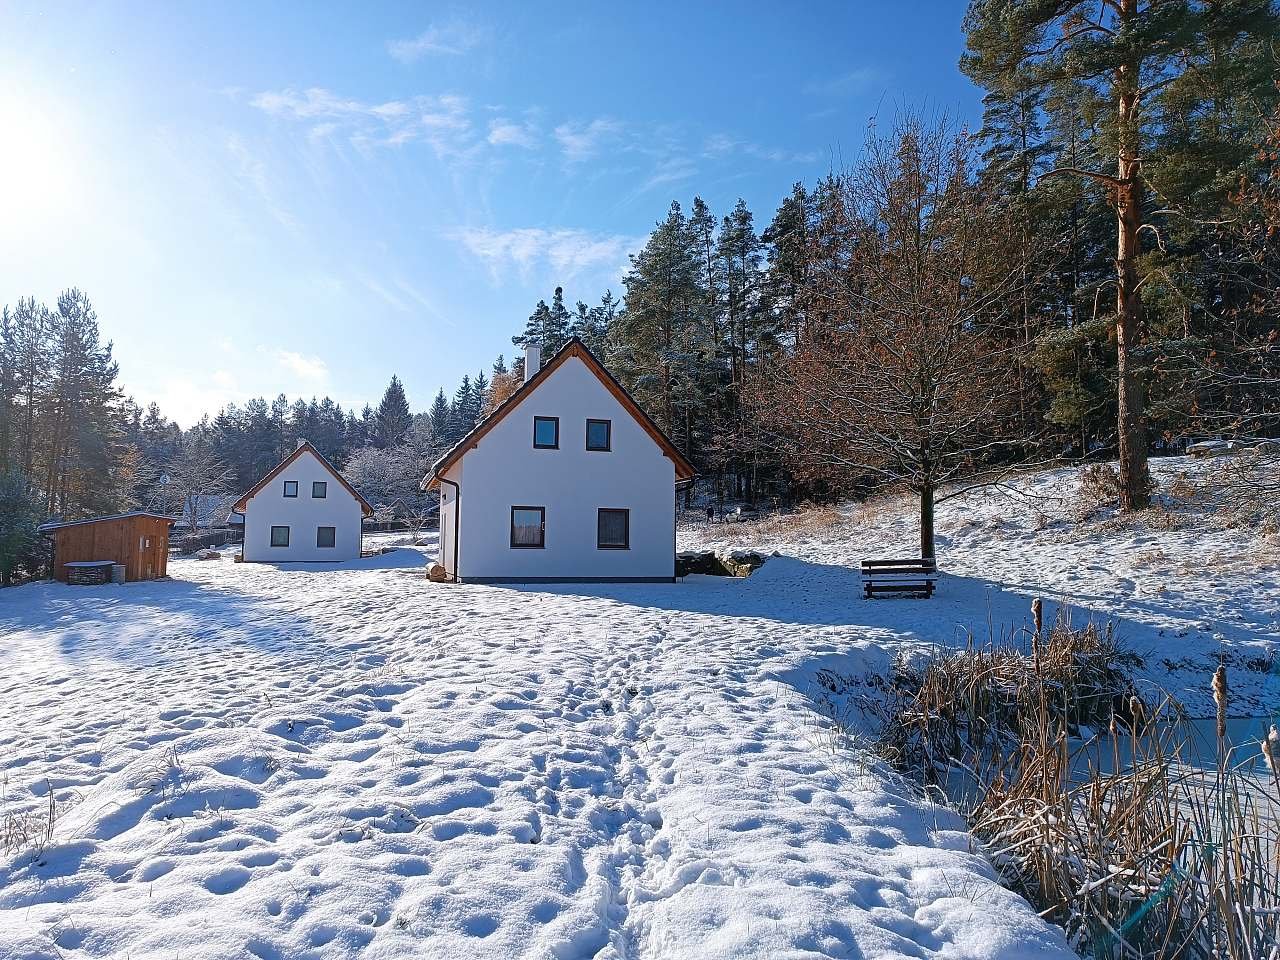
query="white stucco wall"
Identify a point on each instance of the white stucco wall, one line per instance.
(505, 470)
(270, 507)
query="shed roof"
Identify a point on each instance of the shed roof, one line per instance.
(574, 348)
(47, 527)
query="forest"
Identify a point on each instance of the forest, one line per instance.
(1093, 273)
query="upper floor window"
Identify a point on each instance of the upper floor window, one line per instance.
(291, 488)
(546, 433)
(319, 489)
(599, 435)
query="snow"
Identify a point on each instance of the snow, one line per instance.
(348, 760)
(1184, 587)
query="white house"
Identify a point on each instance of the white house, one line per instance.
(568, 480)
(303, 510)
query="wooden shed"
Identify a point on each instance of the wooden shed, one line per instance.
(139, 541)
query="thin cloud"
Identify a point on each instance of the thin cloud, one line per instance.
(849, 84)
(383, 294)
(566, 252)
(250, 169)
(311, 369)
(451, 40)
(670, 170)
(504, 132)
(720, 145)
(442, 121)
(582, 141)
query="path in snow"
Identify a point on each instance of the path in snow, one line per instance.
(307, 762)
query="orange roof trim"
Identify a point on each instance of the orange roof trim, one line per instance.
(304, 447)
(574, 348)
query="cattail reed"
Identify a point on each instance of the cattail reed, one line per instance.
(1136, 844)
(1220, 697)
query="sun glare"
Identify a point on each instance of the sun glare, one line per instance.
(39, 178)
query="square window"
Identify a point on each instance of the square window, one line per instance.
(599, 435)
(326, 536)
(291, 488)
(528, 528)
(613, 529)
(319, 490)
(546, 433)
(279, 536)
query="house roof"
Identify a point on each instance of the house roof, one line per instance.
(210, 509)
(574, 348)
(304, 447)
(47, 527)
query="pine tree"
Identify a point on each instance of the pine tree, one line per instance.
(440, 419)
(535, 328)
(20, 514)
(462, 412)
(30, 354)
(662, 336)
(282, 444)
(591, 325)
(555, 334)
(393, 419)
(1155, 74)
(787, 242)
(82, 415)
(8, 387)
(548, 326)
(479, 396)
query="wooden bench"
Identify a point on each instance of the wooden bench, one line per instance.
(915, 578)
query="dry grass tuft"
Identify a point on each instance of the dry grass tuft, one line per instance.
(28, 832)
(1095, 804)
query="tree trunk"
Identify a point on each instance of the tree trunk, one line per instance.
(1130, 426)
(926, 520)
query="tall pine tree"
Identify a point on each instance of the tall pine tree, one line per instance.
(393, 419)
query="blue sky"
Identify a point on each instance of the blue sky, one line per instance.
(302, 198)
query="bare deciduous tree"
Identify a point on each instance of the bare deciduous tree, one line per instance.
(196, 474)
(909, 381)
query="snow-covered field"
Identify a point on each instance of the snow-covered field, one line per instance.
(252, 761)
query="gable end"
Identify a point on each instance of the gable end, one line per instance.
(304, 447)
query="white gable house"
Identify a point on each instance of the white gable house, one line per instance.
(303, 510)
(568, 480)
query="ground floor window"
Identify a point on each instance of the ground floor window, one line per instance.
(326, 536)
(528, 528)
(279, 536)
(613, 529)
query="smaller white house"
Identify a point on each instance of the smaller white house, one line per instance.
(567, 480)
(303, 510)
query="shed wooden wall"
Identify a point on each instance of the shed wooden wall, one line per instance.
(140, 543)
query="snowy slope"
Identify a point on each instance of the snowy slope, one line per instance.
(1184, 586)
(251, 761)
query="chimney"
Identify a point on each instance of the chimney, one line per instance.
(532, 360)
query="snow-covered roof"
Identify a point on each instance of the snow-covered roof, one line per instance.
(46, 527)
(211, 509)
